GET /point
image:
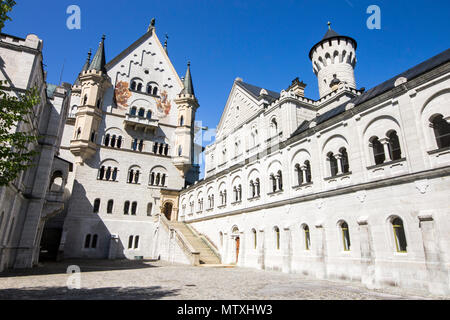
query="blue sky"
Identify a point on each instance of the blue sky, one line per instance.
(264, 42)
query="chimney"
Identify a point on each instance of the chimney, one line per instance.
(298, 87)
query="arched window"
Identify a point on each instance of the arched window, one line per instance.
(133, 208)
(119, 142)
(130, 242)
(107, 138)
(274, 183)
(136, 177)
(441, 129)
(130, 176)
(277, 238)
(299, 174)
(280, 180)
(126, 208)
(110, 206)
(149, 114)
(258, 188)
(394, 146)
(94, 241)
(108, 174)
(149, 209)
(152, 179)
(149, 89)
(155, 91)
(99, 103)
(141, 145)
(78, 133)
(399, 235)
(136, 242)
(96, 206)
(133, 111)
(180, 151)
(345, 236)
(255, 239)
(344, 161)
(274, 127)
(252, 189)
(114, 175)
(93, 135)
(134, 144)
(133, 85)
(101, 173)
(113, 141)
(163, 180)
(333, 164)
(181, 121)
(166, 150)
(307, 237)
(85, 99)
(378, 151)
(87, 241)
(308, 171)
(139, 87)
(141, 112)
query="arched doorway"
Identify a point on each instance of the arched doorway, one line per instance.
(168, 210)
(237, 243)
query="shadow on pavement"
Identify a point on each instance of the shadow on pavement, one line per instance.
(48, 268)
(63, 293)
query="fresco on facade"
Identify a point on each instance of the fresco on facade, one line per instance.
(163, 104)
(122, 94)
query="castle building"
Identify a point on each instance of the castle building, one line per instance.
(352, 186)
(130, 134)
(25, 205)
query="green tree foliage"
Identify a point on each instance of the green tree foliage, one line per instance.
(15, 155)
(5, 8)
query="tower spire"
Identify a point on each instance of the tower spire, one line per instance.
(165, 44)
(85, 67)
(188, 85)
(99, 61)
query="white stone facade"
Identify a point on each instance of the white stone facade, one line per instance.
(37, 194)
(346, 197)
(137, 109)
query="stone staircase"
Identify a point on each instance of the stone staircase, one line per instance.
(208, 255)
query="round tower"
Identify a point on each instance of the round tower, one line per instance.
(334, 61)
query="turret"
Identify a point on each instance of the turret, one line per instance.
(187, 105)
(93, 81)
(334, 61)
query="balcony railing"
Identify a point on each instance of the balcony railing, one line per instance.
(136, 122)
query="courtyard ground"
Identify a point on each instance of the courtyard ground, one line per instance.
(139, 280)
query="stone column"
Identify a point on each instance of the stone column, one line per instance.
(339, 163)
(367, 254)
(438, 279)
(225, 248)
(287, 251)
(321, 270)
(261, 262)
(385, 143)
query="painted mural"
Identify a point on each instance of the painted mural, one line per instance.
(122, 94)
(163, 104)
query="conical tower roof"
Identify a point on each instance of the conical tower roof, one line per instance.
(99, 61)
(188, 85)
(85, 67)
(330, 35)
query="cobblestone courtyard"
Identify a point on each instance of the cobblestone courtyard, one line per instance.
(160, 280)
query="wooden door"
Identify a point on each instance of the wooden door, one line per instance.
(238, 243)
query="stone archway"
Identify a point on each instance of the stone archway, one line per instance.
(235, 235)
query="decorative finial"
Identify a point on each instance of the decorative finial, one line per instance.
(152, 23)
(89, 54)
(165, 43)
(103, 38)
(189, 63)
(329, 25)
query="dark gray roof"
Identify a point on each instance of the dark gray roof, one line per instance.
(331, 34)
(85, 67)
(255, 91)
(99, 61)
(188, 85)
(409, 74)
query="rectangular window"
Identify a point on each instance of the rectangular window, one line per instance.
(136, 242)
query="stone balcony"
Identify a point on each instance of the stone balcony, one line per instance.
(136, 122)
